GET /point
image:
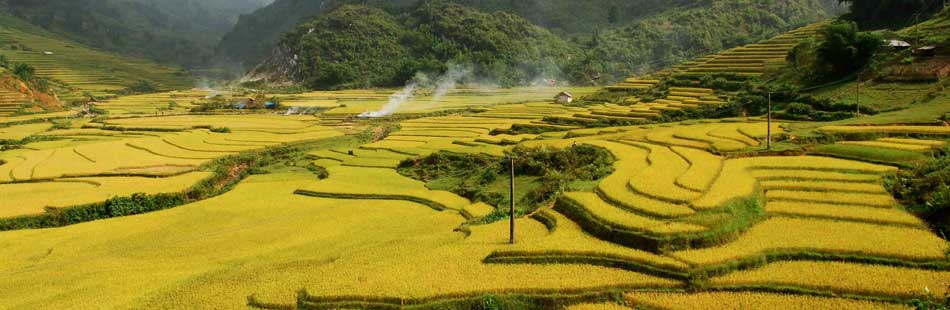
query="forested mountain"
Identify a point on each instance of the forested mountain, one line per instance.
(681, 34)
(182, 32)
(507, 42)
(361, 46)
(255, 34)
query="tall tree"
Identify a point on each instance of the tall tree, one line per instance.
(876, 14)
(845, 49)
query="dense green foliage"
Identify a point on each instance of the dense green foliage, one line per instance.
(842, 51)
(875, 14)
(845, 49)
(679, 35)
(24, 72)
(255, 34)
(357, 46)
(925, 189)
(174, 31)
(540, 173)
(361, 46)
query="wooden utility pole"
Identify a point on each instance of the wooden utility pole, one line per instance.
(511, 199)
(768, 144)
(857, 96)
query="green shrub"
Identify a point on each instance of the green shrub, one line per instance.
(542, 173)
(925, 190)
(844, 49)
(24, 72)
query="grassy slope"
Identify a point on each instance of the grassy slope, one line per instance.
(182, 32)
(80, 67)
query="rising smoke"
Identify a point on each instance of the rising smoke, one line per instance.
(396, 100)
(441, 86)
(450, 79)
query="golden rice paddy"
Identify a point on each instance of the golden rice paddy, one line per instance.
(366, 231)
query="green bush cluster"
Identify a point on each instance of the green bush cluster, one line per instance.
(557, 299)
(114, 207)
(842, 52)
(925, 190)
(787, 103)
(481, 177)
(718, 81)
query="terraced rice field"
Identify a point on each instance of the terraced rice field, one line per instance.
(349, 103)
(18, 132)
(368, 231)
(11, 102)
(889, 129)
(173, 102)
(79, 67)
(752, 59)
(91, 152)
(633, 110)
(26, 118)
(33, 198)
(729, 300)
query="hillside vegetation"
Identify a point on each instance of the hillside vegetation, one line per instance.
(73, 69)
(507, 49)
(182, 32)
(255, 34)
(358, 46)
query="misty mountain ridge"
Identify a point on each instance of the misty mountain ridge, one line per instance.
(182, 32)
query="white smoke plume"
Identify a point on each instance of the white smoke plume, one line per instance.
(399, 98)
(450, 79)
(442, 86)
(206, 85)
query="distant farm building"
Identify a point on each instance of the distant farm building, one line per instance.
(926, 51)
(897, 44)
(564, 98)
(244, 103)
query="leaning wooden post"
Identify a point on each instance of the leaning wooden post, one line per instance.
(511, 199)
(768, 144)
(857, 96)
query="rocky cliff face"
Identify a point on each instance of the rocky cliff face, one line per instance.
(280, 69)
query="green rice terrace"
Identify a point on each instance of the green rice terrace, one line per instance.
(737, 180)
(81, 69)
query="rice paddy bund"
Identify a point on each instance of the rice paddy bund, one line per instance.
(677, 211)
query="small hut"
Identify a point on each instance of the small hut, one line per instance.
(897, 44)
(244, 103)
(564, 98)
(926, 51)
